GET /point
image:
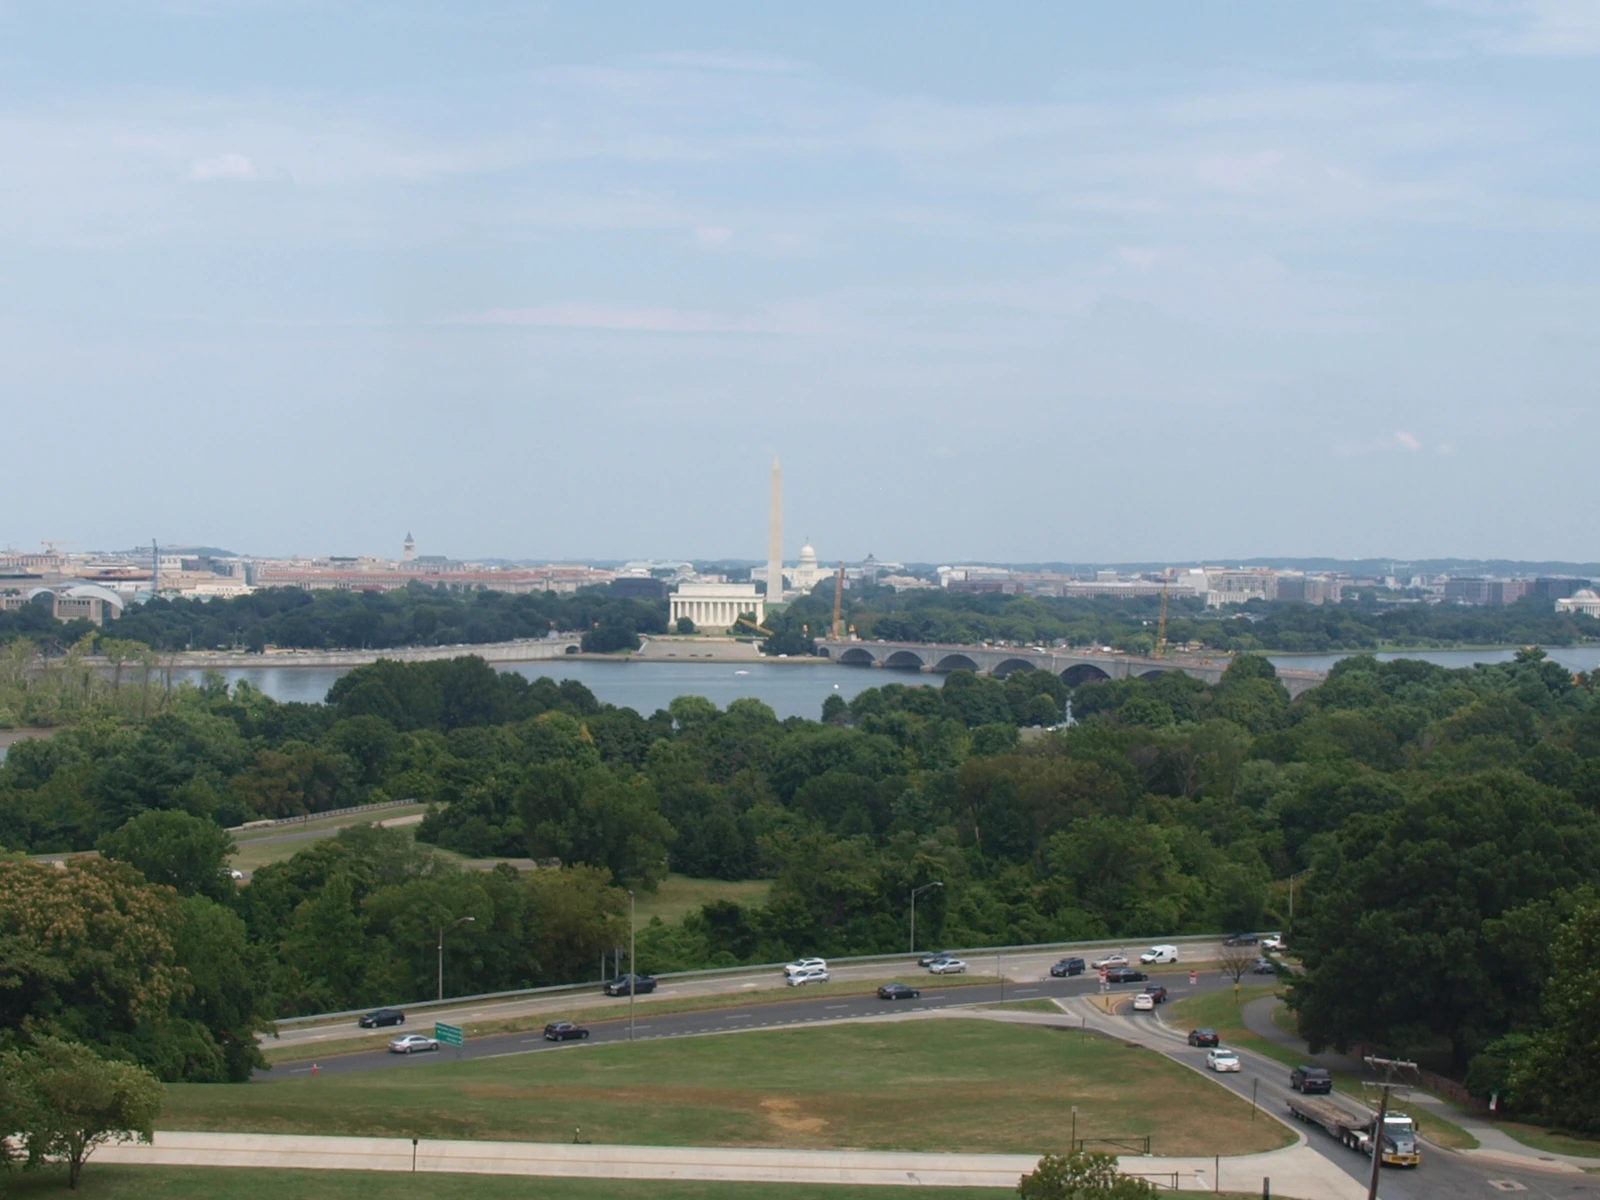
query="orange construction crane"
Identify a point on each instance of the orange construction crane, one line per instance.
(1161, 625)
(838, 602)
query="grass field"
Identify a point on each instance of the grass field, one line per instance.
(259, 847)
(118, 1182)
(586, 1011)
(679, 894)
(1219, 1011)
(1551, 1142)
(932, 1084)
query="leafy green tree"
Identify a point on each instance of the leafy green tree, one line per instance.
(1079, 1176)
(175, 849)
(80, 1101)
(1558, 1074)
(685, 625)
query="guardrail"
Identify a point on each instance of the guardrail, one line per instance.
(272, 823)
(976, 952)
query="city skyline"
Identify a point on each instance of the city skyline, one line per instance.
(1019, 286)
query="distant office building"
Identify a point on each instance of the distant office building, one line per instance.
(1584, 601)
(1484, 590)
(1309, 589)
(638, 587)
(1552, 588)
(716, 605)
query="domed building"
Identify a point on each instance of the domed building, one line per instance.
(808, 573)
(1584, 600)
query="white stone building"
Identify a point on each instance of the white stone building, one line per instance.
(716, 605)
(1584, 600)
(808, 574)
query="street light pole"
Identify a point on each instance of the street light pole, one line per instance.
(939, 883)
(1292, 878)
(633, 974)
(442, 928)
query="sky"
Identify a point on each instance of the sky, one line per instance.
(1000, 282)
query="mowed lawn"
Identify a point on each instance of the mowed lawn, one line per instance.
(678, 895)
(118, 1182)
(943, 1084)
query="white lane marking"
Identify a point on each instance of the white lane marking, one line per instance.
(1020, 991)
(835, 1006)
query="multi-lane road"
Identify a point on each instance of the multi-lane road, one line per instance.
(1021, 969)
(1444, 1176)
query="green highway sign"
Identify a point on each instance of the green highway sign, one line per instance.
(447, 1035)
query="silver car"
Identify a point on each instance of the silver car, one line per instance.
(947, 966)
(412, 1043)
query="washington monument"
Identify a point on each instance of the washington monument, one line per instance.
(775, 538)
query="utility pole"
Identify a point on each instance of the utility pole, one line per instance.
(442, 928)
(1388, 1066)
(633, 974)
(1292, 878)
(914, 891)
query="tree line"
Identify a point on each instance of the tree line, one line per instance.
(1445, 826)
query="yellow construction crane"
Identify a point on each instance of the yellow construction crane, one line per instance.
(1161, 625)
(838, 602)
(759, 629)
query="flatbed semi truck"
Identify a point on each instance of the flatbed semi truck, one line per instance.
(1352, 1124)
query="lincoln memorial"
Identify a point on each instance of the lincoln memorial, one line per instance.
(716, 605)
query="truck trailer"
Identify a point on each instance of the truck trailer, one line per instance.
(1352, 1124)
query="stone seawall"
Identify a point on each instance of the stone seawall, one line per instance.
(495, 652)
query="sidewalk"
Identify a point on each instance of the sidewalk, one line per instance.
(1494, 1144)
(1295, 1172)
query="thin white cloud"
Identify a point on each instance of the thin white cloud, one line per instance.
(634, 320)
(223, 166)
(1407, 441)
(713, 235)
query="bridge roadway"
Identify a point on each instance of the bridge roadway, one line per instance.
(1073, 666)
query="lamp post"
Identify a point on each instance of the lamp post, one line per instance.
(633, 975)
(936, 884)
(442, 928)
(1292, 878)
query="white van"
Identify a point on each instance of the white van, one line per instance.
(1159, 954)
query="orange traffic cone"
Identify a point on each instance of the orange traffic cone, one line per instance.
(313, 1068)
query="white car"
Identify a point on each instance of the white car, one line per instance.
(1274, 943)
(811, 975)
(235, 874)
(1118, 959)
(412, 1043)
(806, 964)
(1144, 1002)
(1159, 954)
(1222, 1060)
(947, 966)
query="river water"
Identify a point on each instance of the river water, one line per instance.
(792, 689)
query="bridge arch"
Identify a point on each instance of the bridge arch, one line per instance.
(904, 660)
(1081, 674)
(1001, 669)
(1155, 674)
(955, 662)
(856, 657)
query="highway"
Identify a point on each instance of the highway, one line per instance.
(1023, 969)
(1442, 1175)
(766, 1015)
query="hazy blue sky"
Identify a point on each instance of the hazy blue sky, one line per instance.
(1000, 281)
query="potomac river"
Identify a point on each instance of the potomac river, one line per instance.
(791, 689)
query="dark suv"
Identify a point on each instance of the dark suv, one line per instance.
(642, 985)
(382, 1017)
(1125, 975)
(1240, 939)
(1157, 992)
(1068, 966)
(1310, 1079)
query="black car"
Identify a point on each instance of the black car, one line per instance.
(927, 960)
(1310, 1079)
(1264, 966)
(642, 985)
(1158, 992)
(564, 1031)
(1125, 975)
(1204, 1037)
(1068, 966)
(381, 1017)
(897, 991)
(1240, 939)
